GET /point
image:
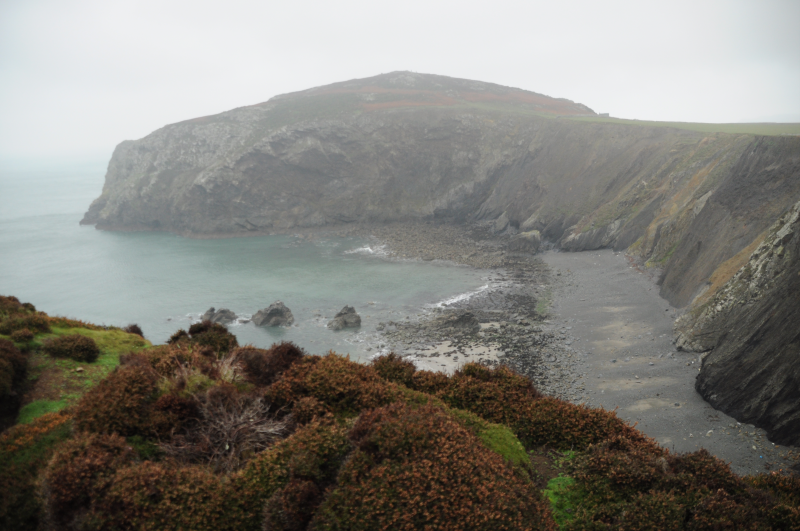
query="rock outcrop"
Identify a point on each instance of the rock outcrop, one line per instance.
(346, 318)
(276, 314)
(526, 242)
(751, 332)
(406, 147)
(222, 316)
(457, 321)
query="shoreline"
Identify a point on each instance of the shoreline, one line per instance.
(605, 340)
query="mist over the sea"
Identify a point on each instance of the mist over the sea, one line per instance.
(163, 282)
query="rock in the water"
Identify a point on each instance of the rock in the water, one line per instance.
(221, 316)
(276, 314)
(459, 321)
(347, 318)
(526, 242)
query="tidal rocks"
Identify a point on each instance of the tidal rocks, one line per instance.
(457, 321)
(221, 316)
(526, 242)
(346, 318)
(276, 314)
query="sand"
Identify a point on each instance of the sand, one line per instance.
(624, 330)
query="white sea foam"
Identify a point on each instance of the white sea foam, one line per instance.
(369, 250)
(460, 297)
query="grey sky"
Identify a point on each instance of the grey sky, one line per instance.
(77, 77)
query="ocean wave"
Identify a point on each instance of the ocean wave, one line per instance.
(460, 297)
(369, 250)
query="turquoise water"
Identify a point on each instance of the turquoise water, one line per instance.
(164, 282)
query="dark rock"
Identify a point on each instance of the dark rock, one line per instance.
(751, 326)
(221, 316)
(458, 321)
(276, 314)
(346, 318)
(526, 242)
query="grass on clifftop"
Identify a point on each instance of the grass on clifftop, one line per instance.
(766, 129)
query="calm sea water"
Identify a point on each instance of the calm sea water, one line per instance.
(164, 282)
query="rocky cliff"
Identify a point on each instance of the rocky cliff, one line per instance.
(405, 146)
(750, 331)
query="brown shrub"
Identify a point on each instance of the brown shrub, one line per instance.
(32, 321)
(25, 450)
(262, 367)
(429, 382)
(23, 335)
(395, 369)
(163, 496)
(342, 385)
(79, 473)
(231, 428)
(73, 346)
(134, 329)
(307, 409)
(290, 508)
(122, 403)
(418, 469)
(13, 367)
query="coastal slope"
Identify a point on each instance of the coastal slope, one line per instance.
(413, 147)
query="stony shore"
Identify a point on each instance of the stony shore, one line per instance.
(544, 316)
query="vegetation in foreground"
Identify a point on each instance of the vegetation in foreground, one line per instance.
(204, 434)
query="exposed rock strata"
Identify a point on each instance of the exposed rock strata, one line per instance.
(752, 329)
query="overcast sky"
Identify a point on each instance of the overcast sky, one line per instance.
(79, 76)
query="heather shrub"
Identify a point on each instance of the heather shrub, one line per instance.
(343, 386)
(134, 329)
(25, 450)
(208, 334)
(307, 409)
(23, 335)
(429, 381)
(311, 455)
(230, 428)
(262, 367)
(163, 496)
(79, 473)
(395, 369)
(13, 367)
(418, 468)
(122, 403)
(17, 321)
(73, 346)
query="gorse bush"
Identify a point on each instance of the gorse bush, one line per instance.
(202, 434)
(206, 333)
(419, 469)
(23, 335)
(73, 346)
(134, 329)
(25, 450)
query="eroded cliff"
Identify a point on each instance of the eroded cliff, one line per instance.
(406, 146)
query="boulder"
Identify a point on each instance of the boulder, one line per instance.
(458, 322)
(346, 318)
(525, 242)
(222, 316)
(276, 314)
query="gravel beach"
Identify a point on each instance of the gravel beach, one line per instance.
(586, 327)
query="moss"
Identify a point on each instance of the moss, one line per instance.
(562, 498)
(37, 408)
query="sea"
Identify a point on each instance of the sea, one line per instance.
(164, 282)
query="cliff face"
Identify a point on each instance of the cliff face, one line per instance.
(752, 329)
(406, 146)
